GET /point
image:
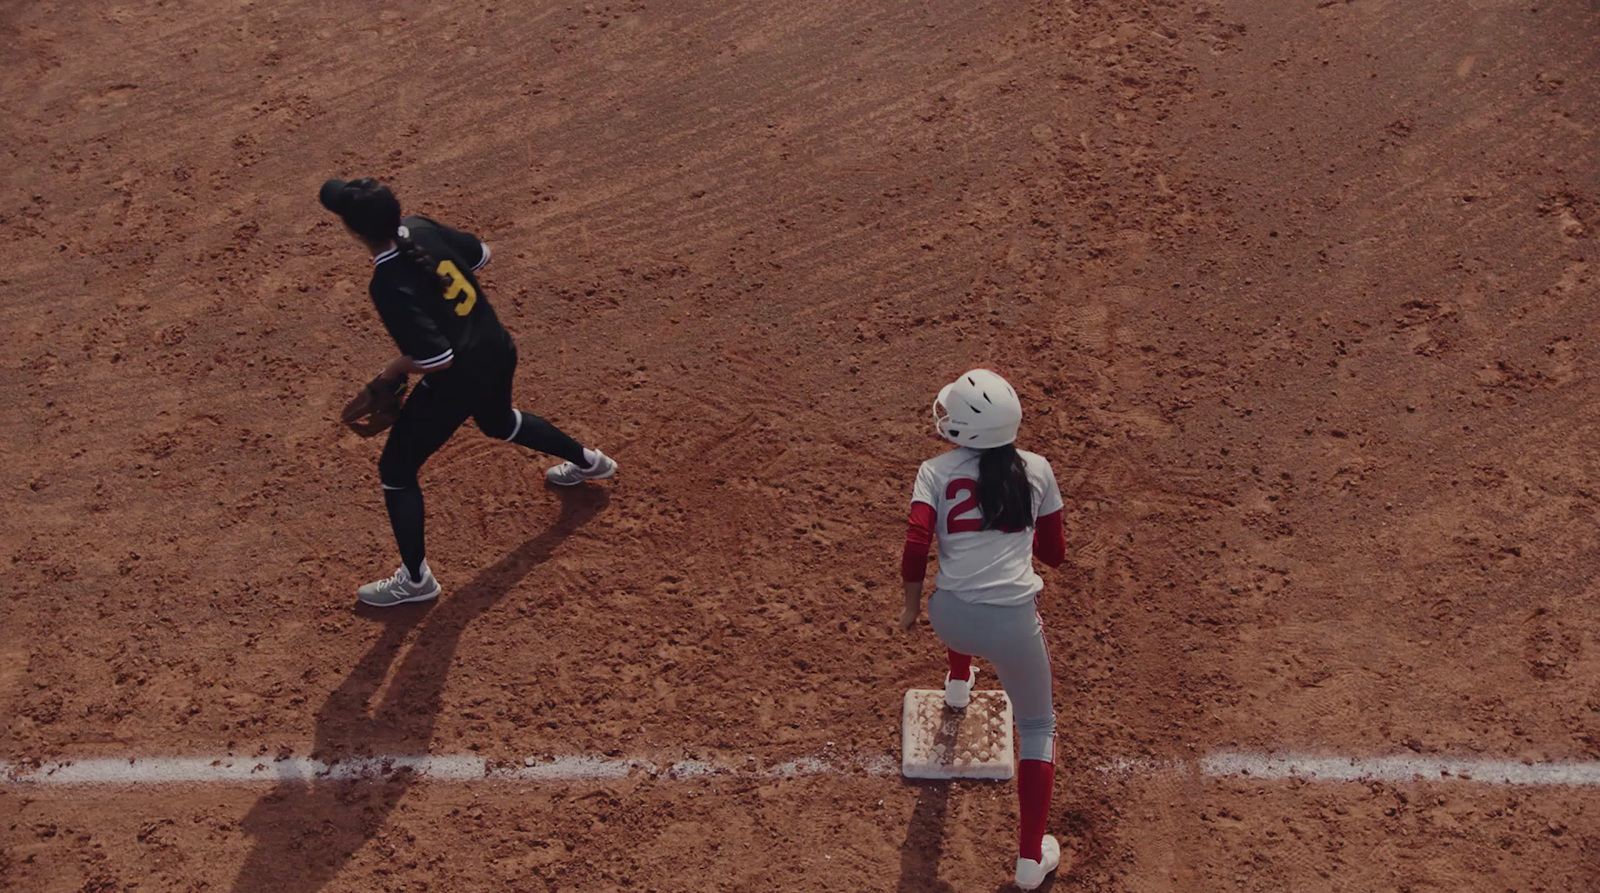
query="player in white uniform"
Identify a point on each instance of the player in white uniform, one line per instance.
(994, 508)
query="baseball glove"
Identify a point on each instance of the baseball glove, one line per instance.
(374, 409)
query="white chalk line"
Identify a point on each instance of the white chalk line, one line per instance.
(440, 767)
(1241, 765)
(1405, 768)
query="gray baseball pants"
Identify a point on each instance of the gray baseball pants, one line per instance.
(1011, 638)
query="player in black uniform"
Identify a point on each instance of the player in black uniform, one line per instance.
(433, 307)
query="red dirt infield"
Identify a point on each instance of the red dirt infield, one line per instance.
(1299, 297)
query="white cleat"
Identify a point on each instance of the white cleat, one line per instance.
(1031, 874)
(400, 589)
(568, 474)
(958, 694)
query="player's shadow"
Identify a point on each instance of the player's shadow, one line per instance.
(924, 844)
(306, 832)
(923, 848)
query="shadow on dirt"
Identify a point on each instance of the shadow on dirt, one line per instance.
(1074, 823)
(305, 833)
(924, 845)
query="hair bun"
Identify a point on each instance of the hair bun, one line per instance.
(332, 195)
(365, 205)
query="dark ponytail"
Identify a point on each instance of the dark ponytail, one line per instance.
(1005, 496)
(419, 257)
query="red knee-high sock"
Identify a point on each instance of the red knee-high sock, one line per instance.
(960, 665)
(1035, 780)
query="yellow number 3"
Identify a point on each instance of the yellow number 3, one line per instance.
(459, 287)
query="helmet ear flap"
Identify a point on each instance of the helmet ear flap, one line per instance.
(941, 415)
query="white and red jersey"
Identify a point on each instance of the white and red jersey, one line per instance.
(977, 565)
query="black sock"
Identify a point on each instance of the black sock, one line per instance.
(538, 434)
(405, 516)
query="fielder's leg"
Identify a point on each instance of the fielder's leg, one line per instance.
(427, 420)
(497, 418)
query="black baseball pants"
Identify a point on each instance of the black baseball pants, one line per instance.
(479, 389)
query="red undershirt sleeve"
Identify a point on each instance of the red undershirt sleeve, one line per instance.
(919, 535)
(1050, 540)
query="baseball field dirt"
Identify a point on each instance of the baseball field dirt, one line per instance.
(1300, 297)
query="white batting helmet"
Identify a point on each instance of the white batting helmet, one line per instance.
(980, 410)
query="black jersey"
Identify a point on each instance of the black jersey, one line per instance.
(442, 315)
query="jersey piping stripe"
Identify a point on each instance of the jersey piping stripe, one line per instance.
(440, 360)
(484, 262)
(389, 254)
